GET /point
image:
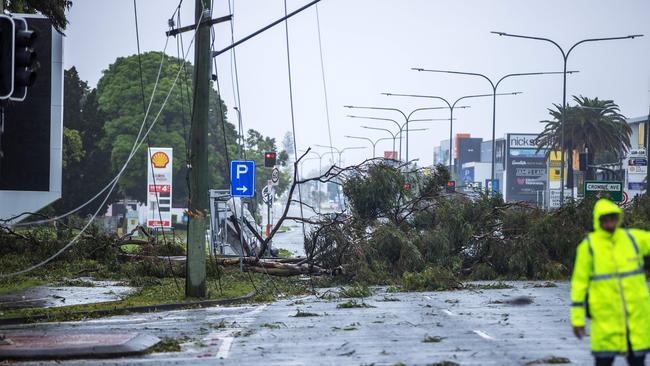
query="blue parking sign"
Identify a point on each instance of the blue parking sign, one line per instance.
(242, 178)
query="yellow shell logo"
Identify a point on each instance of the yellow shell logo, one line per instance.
(159, 159)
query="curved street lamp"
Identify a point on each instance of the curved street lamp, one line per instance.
(494, 86)
(371, 141)
(407, 118)
(565, 58)
(451, 107)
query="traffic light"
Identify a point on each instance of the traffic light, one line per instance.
(25, 59)
(270, 158)
(6, 56)
(407, 186)
(451, 186)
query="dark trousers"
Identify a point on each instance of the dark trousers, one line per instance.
(631, 360)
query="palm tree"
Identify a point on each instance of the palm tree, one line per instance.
(592, 123)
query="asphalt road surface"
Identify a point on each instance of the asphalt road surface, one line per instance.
(469, 327)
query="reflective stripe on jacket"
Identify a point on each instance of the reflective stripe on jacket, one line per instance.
(609, 266)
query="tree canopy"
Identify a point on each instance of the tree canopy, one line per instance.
(593, 124)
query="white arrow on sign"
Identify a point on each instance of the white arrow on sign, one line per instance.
(242, 189)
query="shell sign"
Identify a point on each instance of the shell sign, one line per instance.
(160, 187)
(159, 159)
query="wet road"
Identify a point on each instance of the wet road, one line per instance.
(471, 327)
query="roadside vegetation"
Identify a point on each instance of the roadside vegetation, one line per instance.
(425, 239)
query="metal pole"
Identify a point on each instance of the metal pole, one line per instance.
(407, 140)
(451, 143)
(320, 172)
(494, 125)
(195, 285)
(563, 118)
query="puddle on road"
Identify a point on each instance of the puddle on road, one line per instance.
(56, 296)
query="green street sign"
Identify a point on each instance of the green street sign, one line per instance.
(612, 190)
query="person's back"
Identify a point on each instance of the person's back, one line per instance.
(609, 276)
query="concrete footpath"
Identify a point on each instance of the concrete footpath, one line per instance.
(470, 327)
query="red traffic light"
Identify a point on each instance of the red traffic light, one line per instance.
(451, 183)
(270, 159)
(407, 186)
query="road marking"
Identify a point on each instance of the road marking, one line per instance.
(226, 336)
(224, 348)
(448, 312)
(484, 335)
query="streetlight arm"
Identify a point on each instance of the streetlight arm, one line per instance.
(410, 95)
(377, 108)
(381, 129)
(458, 73)
(601, 39)
(360, 138)
(532, 37)
(329, 147)
(377, 119)
(496, 86)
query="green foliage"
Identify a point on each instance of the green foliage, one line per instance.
(592, 123)
(72, 147)
(356, 290)
(120, 98)
(375, 193)
(52, 9)
(430, 279)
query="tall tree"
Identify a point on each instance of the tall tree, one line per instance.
(119, 96)
(593, 124)
(53, 9)
(84, 163)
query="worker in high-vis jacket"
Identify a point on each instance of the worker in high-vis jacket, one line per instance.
(609, 287)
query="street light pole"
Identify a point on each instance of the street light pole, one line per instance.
(565, 58)
(320, 171)
(340, 153)
(407, 118)
(399, 127)
(372, 142)
(494, 86)
(394, 135)
(451, 107)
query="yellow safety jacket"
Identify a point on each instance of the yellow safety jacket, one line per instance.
(609, 267)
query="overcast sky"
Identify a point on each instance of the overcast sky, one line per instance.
(369, 47)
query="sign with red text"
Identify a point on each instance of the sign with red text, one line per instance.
(159, 187)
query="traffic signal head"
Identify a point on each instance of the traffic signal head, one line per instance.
(25, 59)
(270, 158)
(451, 186)
(7, 30)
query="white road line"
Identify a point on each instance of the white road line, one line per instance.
(226, 335)
(484, 335)
(224, 348)
(448, 312)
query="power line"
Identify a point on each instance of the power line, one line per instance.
(293, 119)
(133, 150)
(322, 68)
(115, 180)
(144, 109)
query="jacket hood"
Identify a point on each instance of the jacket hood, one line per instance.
(605, 207)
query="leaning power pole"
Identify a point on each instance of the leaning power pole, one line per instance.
(198, 206)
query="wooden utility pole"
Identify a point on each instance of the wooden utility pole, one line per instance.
(198, 206)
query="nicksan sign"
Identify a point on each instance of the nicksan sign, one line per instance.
(521, 141)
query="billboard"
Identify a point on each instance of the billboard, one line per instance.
(391, 155)
(159, 187)
(469, 150)
(467, 175)
(526, 170)
(31, 135)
